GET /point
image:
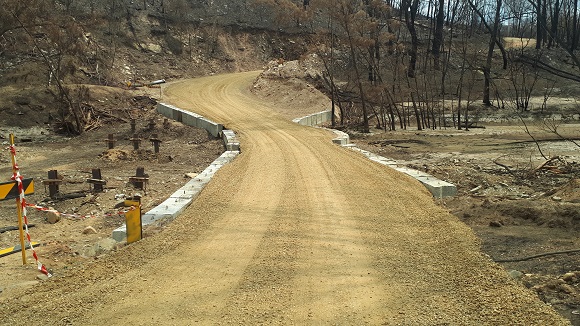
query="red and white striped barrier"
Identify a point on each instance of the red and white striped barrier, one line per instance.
(22, 202)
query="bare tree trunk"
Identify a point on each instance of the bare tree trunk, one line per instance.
(575, 28)
(555, 20)
(539, 25)
(410, 15)
(487, 67)
(438, 35)
(491, 31)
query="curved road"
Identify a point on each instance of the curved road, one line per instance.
(295, 231)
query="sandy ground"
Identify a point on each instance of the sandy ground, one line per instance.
(295, 231)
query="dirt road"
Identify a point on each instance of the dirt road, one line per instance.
(295, 231)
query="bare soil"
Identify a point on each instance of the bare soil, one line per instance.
(515, 209)
(184, 152)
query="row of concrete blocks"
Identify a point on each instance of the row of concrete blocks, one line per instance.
(314, 119)
(180, 199)
(184, 196)
(438, 188)
(190, 118)
(230, 140)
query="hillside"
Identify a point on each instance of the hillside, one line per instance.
(137, 45)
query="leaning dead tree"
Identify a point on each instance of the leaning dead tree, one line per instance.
(61, 39)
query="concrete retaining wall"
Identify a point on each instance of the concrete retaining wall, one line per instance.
(190, 118)
(314, 119)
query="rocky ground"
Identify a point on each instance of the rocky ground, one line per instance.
(517, 205)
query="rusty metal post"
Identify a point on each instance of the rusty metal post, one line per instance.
(140, 179)
(53, 182)
(96, 180)
(156, 141)
(136, 141)
(111, 141)
(140, 173)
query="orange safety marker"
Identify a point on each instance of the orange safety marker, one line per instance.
(9, 190)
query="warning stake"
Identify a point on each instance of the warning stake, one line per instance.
(9, 190)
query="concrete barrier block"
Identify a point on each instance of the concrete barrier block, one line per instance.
(328, 116)
(315, 119)
(413, 173)
(385, 161)
(169, 209)
(120, 233)
(191, 119)
(233, 146)
(202, 123)
(186, 192)
(164, 110)
(340, 141)
(178, 115)
(213, 128)
(230, 140)
(438, 188)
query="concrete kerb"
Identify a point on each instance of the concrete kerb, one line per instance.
(184, 196)
(438, 188)
(230, 140)
(190, 118)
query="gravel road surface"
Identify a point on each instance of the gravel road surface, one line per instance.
(296, 230)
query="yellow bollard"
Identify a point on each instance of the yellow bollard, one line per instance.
(133, 221)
